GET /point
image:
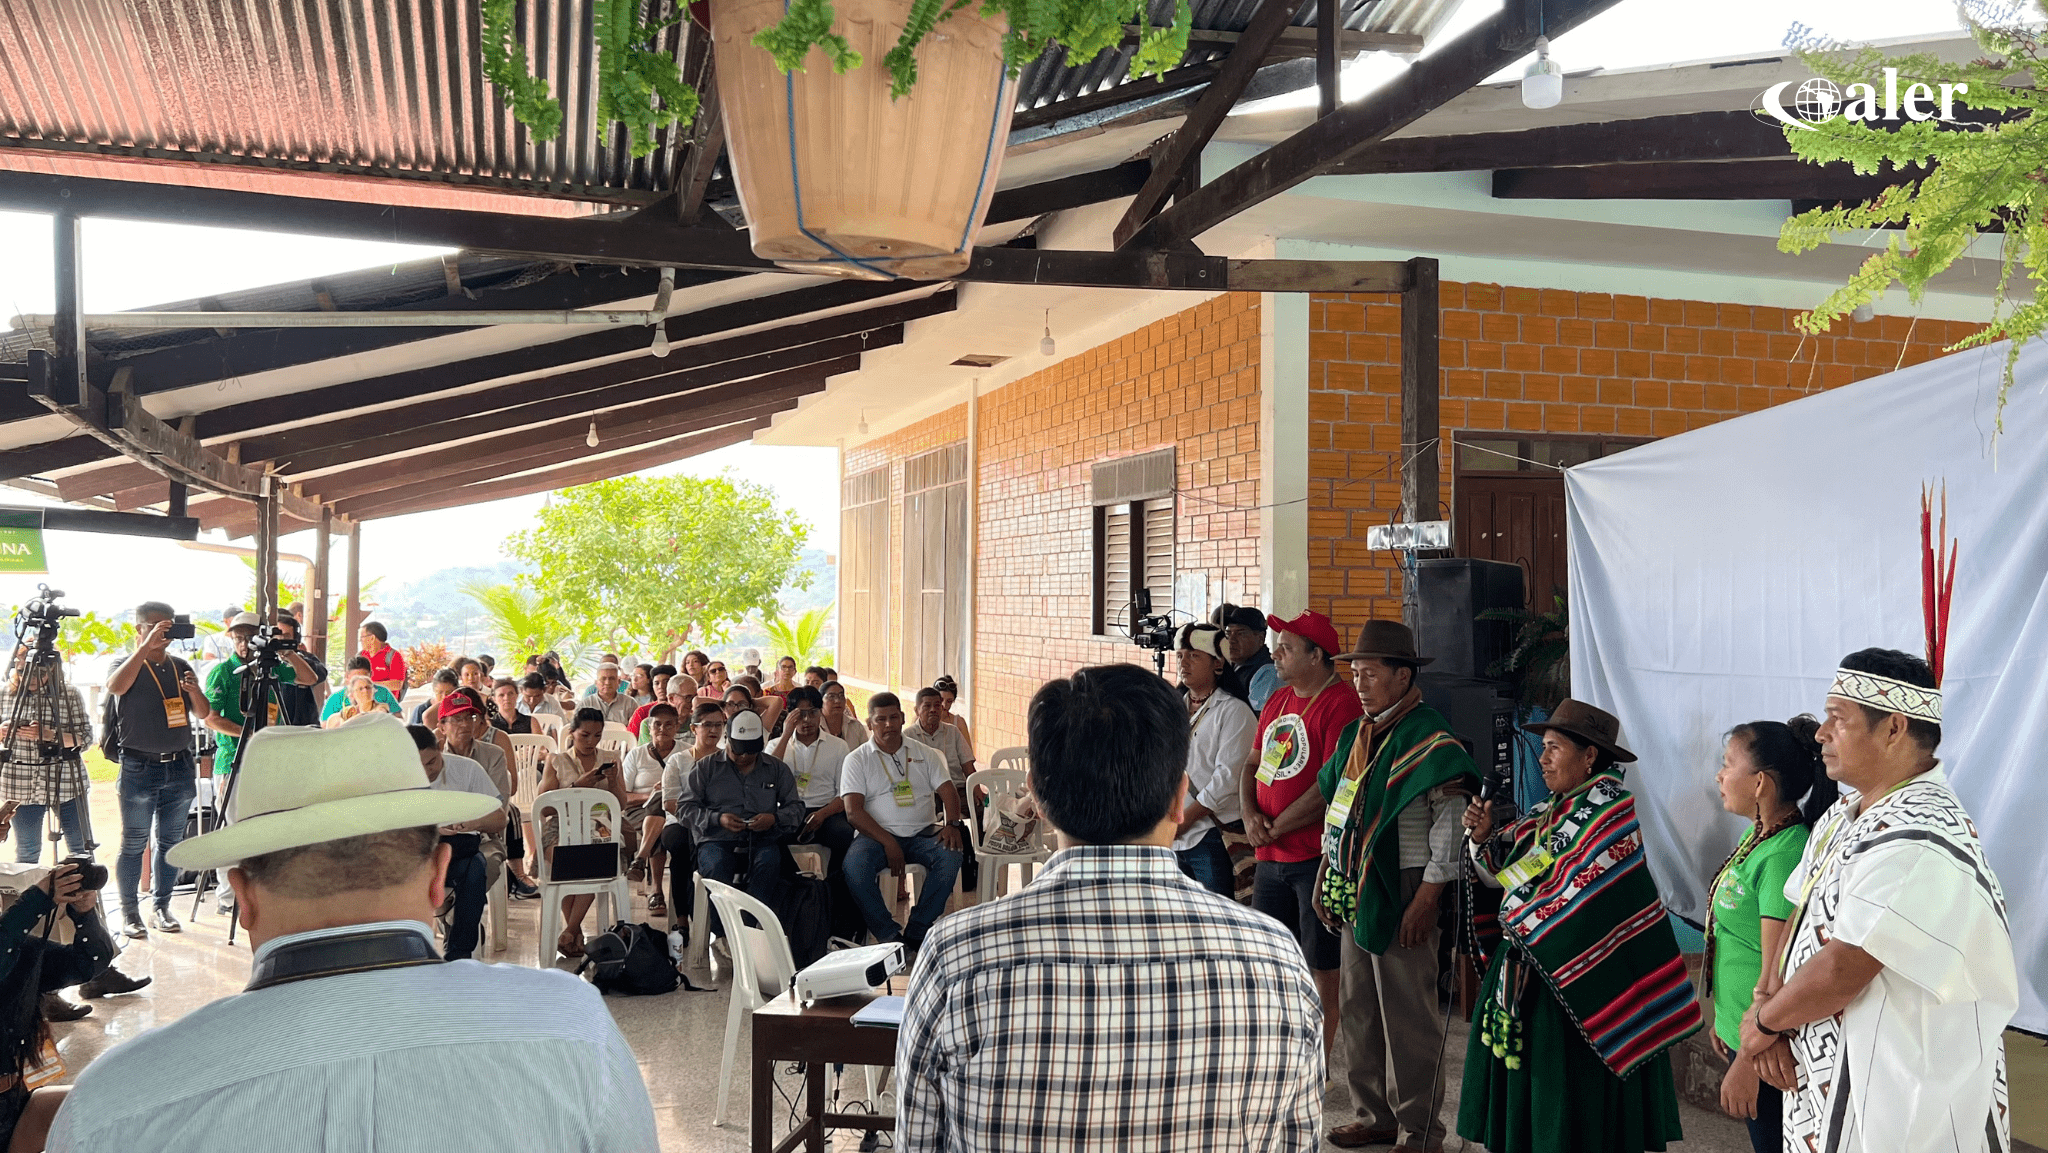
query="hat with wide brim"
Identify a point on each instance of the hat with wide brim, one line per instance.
(1386, 641)
(1589, 725)
(302, 786)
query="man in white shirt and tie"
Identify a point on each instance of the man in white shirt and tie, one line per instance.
(352, 1025)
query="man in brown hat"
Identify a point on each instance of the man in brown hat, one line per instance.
(1395, 784)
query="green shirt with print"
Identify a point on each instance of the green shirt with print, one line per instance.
(1749, 892)
(224, 693)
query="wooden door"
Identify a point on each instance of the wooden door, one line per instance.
(1517, 520)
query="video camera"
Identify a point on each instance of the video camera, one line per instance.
(1149, 631)
(43, 616)
(16, 879)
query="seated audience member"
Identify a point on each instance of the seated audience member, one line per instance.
(707, 732)
(467, 878)
(464, 732)
(640, 684)
(888, 785)
(785, 677)
(586, 765)
(814, 677)
(949, 695)
(741, 806)
(745, 693)
(815, 756)
(661, 696)
(534, 700)
(930, 730)
(831, 675)
(358, 695)
(839, 719)
(644, 767)
(1113, 996)
(693, 665)
(387, 664)
(470, 674)
(350, 1029)
(608, 698)
(439, 686)
(714, 682)
(507, 718)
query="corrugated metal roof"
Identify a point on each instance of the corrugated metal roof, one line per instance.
(380, 88)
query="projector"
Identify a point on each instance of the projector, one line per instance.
(849, 971)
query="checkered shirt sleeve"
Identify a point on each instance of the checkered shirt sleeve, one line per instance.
(1112, 1005)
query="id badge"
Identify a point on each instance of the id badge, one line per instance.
(1530, 867)
(174, 712)
(1339, 809)
(905, 796)
(803, 782)
(1269, 762)
(273, 712)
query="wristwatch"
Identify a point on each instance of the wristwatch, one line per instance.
(1766, 1030)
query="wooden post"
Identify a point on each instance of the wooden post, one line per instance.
(266, 554)
(1329, 25)
(352, 621)
(1421, 387)
(315, 629)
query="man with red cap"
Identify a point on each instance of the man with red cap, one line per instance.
(1283, 810)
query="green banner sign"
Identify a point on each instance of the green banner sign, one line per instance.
(21, 542)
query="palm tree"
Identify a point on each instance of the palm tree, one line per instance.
(519, 618)
(799, 639)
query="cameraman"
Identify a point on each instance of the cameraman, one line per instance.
(156, 696)
(224, 686)
(298, 702)
(46, 731)
(32, 965)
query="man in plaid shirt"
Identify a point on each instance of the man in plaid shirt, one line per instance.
(1113, 1004)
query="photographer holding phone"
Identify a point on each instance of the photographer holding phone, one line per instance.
(31, 965)
(158, 705)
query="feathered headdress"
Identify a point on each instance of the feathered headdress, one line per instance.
(1937, 577)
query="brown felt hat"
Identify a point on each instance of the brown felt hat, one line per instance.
(1594, 726)
(1387, 641)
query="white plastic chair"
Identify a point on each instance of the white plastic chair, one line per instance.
(550, 726)
(617, 738)
(995, 867)
(762, 968)
(1015, 757)
(575, 812)
(821, 852)
(913, 873)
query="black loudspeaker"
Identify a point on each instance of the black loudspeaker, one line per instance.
(1482, 714)
(1450, 595)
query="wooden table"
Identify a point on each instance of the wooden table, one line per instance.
(821, 1035)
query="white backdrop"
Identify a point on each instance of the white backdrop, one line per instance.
(1716, 578)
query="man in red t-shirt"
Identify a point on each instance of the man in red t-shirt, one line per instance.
(387, 665)
(1283, 810)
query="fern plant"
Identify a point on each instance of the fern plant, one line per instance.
(1539, 661)
(642, 87)
(799, 638)
(1974, 178)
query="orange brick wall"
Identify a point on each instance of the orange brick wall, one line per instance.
(1539, 361)
(1190, 381)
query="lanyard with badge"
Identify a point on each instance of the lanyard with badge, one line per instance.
(901, 790)
(174, 697)
(803, 776)
(1275, 752)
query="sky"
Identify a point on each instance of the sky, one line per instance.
(131, 265)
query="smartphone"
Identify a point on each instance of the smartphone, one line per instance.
(181, 628)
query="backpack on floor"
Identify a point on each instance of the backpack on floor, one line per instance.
(805, 911)
(631, 959)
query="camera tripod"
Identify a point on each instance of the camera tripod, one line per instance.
(38, 698)
(258, 696)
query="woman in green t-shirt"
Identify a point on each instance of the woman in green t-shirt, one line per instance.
(1771, 772)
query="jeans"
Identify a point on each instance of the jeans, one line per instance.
(28, 830)
(867, 860)
(721, 861)
(1208, 862)
(467, 874)
(1767, 1128)
(152, 791)
(1284, 891)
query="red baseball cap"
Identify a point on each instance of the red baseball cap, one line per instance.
(456, 704)
(1313, 627)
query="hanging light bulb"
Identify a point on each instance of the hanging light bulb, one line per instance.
(591, 440)
(660, 346)
(862, 428)
(1045, 346)
(1543, 84)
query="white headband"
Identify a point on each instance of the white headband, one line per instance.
(1888, 695)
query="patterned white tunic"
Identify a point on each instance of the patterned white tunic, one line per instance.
(1916, 1062)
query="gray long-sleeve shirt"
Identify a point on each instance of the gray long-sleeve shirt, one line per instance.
(716, 786)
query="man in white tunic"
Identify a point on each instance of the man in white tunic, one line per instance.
(1898, 968)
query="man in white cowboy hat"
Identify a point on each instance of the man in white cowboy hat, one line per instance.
(353, 1033)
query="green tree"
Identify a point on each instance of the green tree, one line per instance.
(519, 619)
(662, 558)
(1985, 176)
(799, 638)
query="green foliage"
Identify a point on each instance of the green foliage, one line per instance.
(1539, 663)
(799, 638)
(90, 635)
(505, 66)
(520, 620)
(1974, 179)
(650, 560)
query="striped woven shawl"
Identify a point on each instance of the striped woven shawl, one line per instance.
(1593, 925)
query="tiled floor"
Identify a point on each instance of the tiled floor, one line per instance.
(678, 1036)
